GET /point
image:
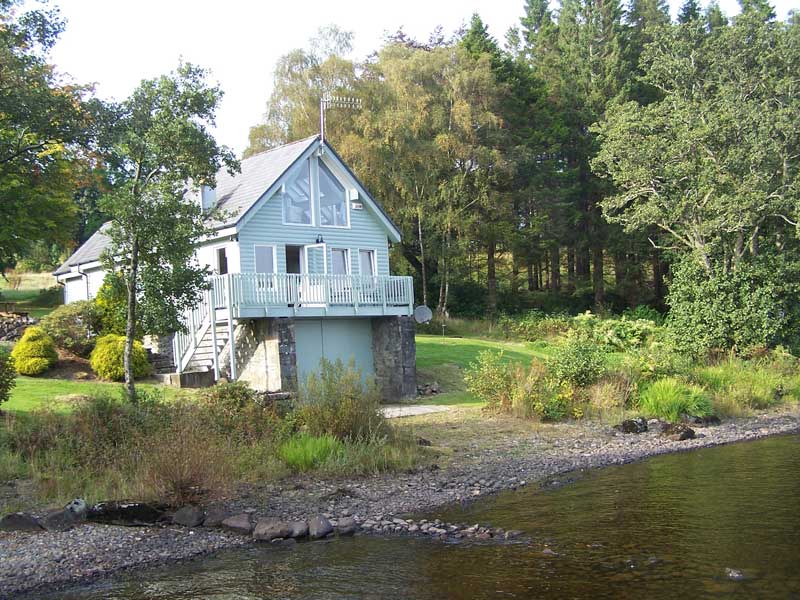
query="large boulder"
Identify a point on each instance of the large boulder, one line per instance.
(319, 527)
(59, 520)
(20, 522)
(637, 425)
(124, 513)
(346, 526)
(189, 516)
(239, 524)
(299, 529)
(272, 529)
(77, 508)
(677, 432)
(215, 517)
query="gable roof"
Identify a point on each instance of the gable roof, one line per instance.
(240, 193)
(237, 193)
(89, 251)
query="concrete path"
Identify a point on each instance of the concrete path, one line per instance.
(393, 411)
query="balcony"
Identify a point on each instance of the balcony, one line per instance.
(254, 295)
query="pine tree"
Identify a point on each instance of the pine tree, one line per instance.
(762, 8)
(714, 17)
(689, 11)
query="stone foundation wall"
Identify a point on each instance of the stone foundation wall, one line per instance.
(162, 352)
(265, 355)
(394, 352)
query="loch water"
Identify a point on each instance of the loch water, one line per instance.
(667, 527)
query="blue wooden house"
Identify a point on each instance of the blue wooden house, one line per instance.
(299, 271)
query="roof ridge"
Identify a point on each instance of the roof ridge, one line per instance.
(281, 147)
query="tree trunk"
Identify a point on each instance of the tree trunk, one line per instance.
(538, 274)
(130, 326)
(444, 278)
(619, 272)
(597, 277)
(531, 281)
(491, 280)
(582, 263)
(571, 268)
(658, 277)
(514, 274)
(424, 268)
(555, 268)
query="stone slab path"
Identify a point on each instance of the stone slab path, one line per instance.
(393, 411)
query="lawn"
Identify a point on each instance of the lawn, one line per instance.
(443, 359)
(31, 393)
(37, 294)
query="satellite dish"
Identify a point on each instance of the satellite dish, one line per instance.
(422, 314)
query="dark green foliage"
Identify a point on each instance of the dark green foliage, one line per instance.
(8, 376)
(753, 306)
(689, 11)
(578, 362)
(73, 326)
(106, 358)
(34, 353)
(335, 400)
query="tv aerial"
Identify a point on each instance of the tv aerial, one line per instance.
(327, 101)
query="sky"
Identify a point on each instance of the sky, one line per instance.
(116, 44)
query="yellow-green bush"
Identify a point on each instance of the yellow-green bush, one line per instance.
(106, 358)
(34, 353)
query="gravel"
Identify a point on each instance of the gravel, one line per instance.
(379, 505)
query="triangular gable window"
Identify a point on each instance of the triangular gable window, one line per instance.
(297, 198)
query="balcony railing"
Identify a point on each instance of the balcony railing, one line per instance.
(239, 290)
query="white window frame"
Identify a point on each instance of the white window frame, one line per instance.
(349, 267)
(345, 183)
(373, 261)
(313, 193)
(274, 258)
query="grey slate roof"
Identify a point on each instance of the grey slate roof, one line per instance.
(89, 251)
(237, 193)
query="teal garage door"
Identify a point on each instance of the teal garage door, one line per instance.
(333, 339)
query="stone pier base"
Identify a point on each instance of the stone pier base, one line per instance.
(394, 351)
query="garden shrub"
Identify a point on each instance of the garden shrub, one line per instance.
(34, 353)
(111, 305)
(304, 452)
(73, 326)
(617, 333)
(533, 325)
(336, 400)
(106, 359)
(578, 362)
(8, 376)
(491, 379)
(235, 409)
(670, 399)
(753, 305)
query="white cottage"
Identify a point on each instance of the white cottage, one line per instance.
(300, 272)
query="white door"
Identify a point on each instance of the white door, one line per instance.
(315, 267)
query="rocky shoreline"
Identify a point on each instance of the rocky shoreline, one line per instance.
(381, 505)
